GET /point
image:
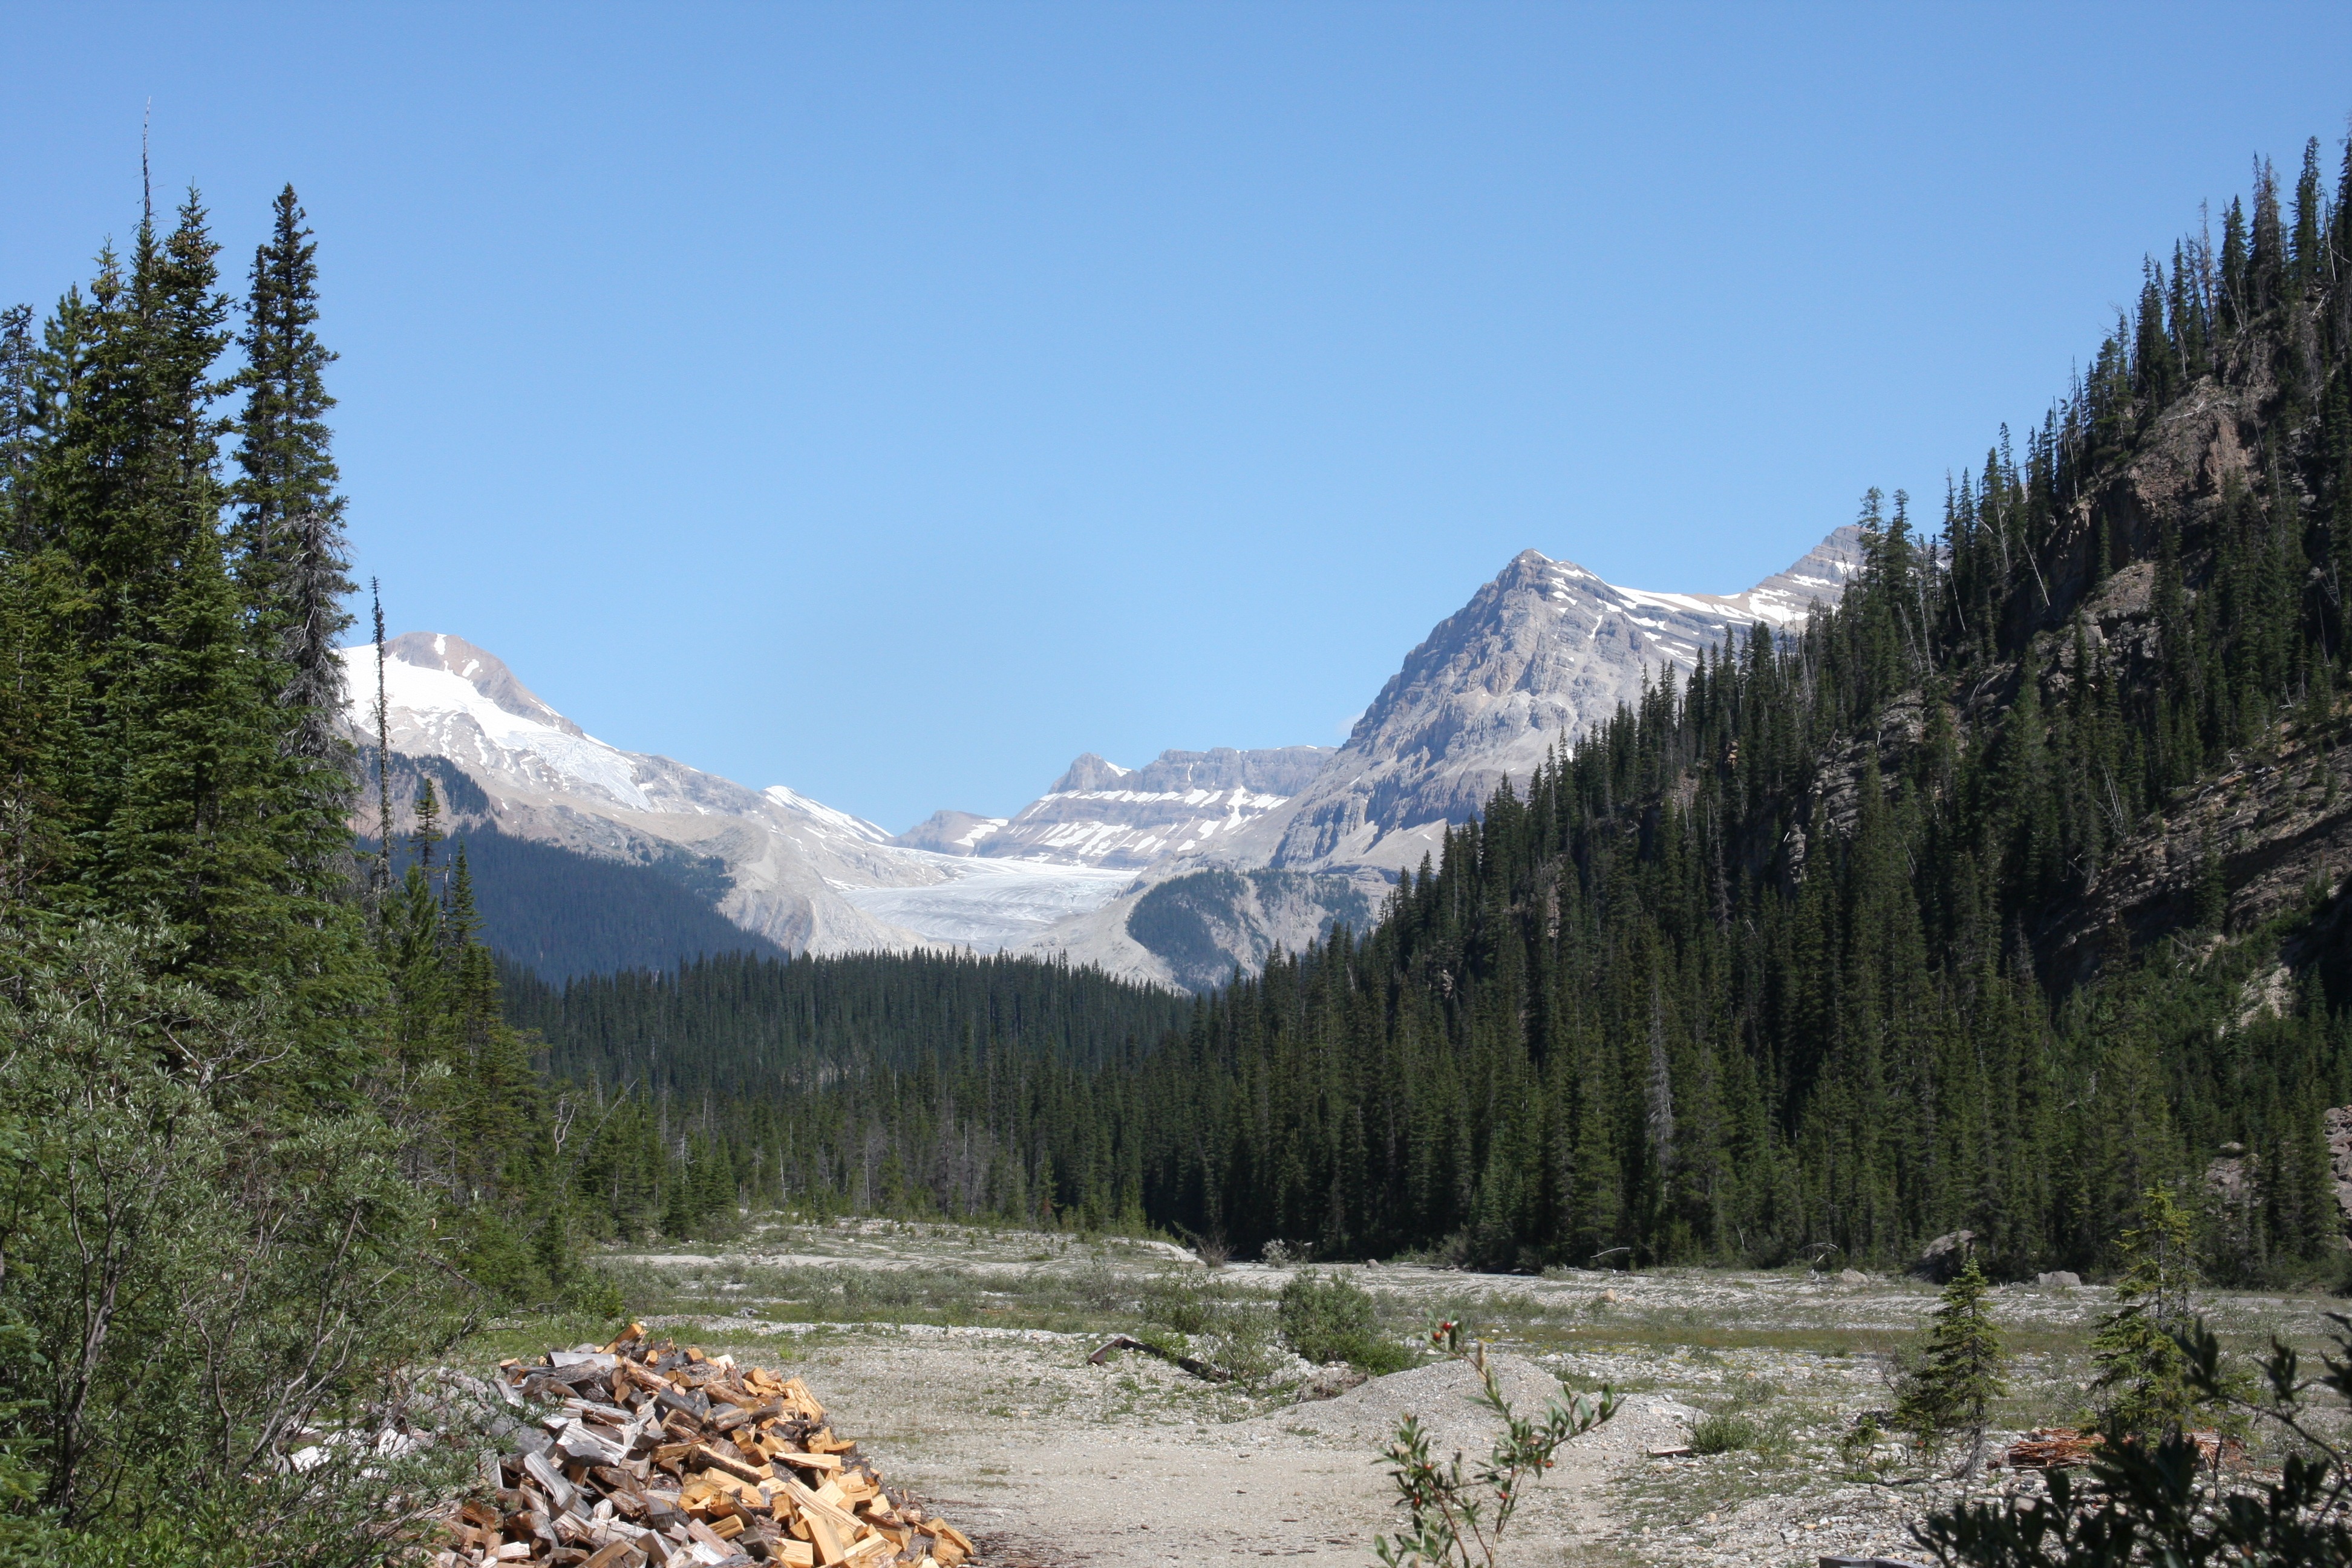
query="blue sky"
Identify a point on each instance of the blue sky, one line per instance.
(895, 401)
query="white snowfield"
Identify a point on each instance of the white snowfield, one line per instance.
(989, 905)
(1536, 658)
(806, 875)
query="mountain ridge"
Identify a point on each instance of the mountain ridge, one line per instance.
(1272, 846)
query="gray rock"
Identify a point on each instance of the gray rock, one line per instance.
(1330, 1381)
(2058, 1279)
(1942, 1257)
(1852, 1276)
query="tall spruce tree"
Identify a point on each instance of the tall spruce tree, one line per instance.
(293, 561)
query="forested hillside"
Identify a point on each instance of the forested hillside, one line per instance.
(1766, 964)
(2004, 889)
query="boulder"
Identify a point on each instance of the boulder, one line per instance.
(1330, 1381)
(1852, 1276)
(1943, 1257)
(2058, 1279)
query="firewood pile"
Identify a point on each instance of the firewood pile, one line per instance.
(655, 1455)
(2050, 1448)
(2064, 1448)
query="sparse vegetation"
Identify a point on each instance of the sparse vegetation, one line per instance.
(1458, 1519)
(1725, 1431)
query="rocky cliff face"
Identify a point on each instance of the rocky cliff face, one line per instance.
(1539, 654)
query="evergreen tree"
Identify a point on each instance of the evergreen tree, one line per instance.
(291, 559)
(2142, 1386)
(1950, 1392)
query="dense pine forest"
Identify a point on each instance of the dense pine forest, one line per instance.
(1822, 949)
(1777, 963)
(889, 1083)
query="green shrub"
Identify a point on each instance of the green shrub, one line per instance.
(1246, 1341)
(1183, 1299)
(1727, 1432)
(1330, 1318)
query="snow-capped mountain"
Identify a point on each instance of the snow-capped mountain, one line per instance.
(547, 779)
(800, 873)
(1099, 814)
(1166, 872)
(1538, 655)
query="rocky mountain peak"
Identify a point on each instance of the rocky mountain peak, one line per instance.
(478, 667)
(1538, 655)
(1088, 771)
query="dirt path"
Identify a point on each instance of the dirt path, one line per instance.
(1046, 1460)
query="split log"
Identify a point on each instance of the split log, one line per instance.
(1192, 1364)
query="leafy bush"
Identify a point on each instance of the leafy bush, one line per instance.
(1096, 1284)
(200, 1275)
(1330, 1317)
(1183, 1299)
(1246, 1342)
(1725, 1432)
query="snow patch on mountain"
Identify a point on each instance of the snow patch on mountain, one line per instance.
(989, 905)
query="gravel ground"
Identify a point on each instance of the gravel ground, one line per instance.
(959, 1358)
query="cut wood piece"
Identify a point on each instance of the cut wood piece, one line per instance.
(950, 1532)
(613, 1554)
(873, 1549)
(825, 1462)
(824, 1538)
(550, 1480)
(797, 1554)
(712, 1458)
(798, 1392)
(816, 1505)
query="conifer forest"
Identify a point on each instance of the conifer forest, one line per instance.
(1979, 902)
